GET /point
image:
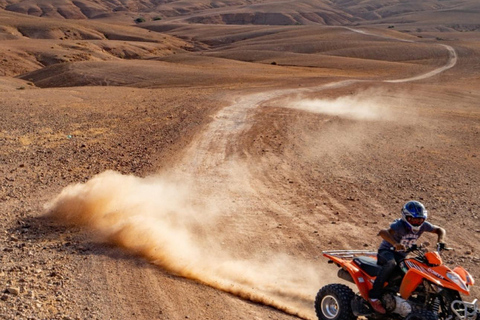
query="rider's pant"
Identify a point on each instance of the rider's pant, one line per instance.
(388, 259)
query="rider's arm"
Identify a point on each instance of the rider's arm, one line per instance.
(441, 234)
(387, 235)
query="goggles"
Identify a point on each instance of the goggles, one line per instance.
(416, 222)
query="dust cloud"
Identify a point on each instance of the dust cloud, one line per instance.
(165, 221)
(365, 105)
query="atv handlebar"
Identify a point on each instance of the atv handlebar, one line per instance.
(441, 246)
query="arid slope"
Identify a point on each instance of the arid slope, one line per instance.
(232, 155)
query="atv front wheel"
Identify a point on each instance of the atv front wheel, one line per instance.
(333, 302)
(422, 315)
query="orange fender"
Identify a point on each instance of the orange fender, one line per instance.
(410, 282)
(413, 277)
(363, 281)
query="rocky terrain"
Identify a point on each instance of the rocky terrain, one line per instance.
(227, 144)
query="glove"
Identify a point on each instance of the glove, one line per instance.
(441, 246)
(399, 247)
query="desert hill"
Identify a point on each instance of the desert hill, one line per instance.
(270, 48)
(192, 159)
(34, 42)
(333, 12)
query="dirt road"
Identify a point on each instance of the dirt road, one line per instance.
(253, 200)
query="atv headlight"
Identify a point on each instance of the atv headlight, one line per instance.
(457, 280)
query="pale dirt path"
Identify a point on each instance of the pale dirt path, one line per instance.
(452, 61)
(452, 57)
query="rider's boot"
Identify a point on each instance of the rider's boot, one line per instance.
(377, 306)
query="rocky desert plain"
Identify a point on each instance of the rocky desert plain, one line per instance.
(192, 159)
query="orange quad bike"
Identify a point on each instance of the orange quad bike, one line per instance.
(420, 288)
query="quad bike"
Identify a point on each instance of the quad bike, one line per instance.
(420, 288)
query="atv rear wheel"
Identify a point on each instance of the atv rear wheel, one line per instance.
(422, 315)
(333, 302)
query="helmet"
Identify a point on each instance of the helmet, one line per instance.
(414, 214)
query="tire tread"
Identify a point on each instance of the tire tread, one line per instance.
(422, 315)
(344, 296)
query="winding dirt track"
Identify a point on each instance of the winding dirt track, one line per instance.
(225, 214)
(213, 160)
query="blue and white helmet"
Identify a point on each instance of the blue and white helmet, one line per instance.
(414, 214)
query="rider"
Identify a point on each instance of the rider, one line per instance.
(402, 234)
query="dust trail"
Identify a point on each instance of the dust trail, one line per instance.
(159, 218)
(366, 105)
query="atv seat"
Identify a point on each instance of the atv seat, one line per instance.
(369, 265)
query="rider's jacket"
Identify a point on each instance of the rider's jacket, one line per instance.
(404, 235)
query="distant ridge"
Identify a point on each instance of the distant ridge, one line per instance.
(256, 12)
